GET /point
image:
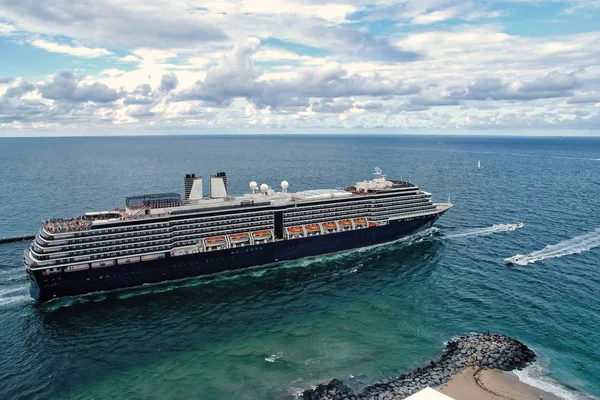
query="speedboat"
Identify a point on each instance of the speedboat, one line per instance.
(519, 224)
(514, 259)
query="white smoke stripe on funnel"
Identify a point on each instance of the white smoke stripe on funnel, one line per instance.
(576, 245)
(485, 231)
(535, 375)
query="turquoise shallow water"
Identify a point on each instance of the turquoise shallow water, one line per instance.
(360, 316)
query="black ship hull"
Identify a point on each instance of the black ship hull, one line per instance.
(51, 286)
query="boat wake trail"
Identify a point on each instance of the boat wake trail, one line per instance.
(496, 228)
(576, 245)
(14, 295)
(13, 287)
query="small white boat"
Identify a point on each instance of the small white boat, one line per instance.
(478, 164)
(519, 224)
(514, 259)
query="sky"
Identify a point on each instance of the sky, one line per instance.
(103, 67)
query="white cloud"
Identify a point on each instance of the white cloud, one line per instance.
(112, 72)
(330, 12)
(6, 29)
(77, 51)
(130, 59)
(275, 54)
(190, 63)
(436, 16)
(126, 23)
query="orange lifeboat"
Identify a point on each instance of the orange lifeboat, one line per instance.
(262, 234)
(329, 225)
(313, 228)
(360, 221)
(214, 240)
(346, 223)
(372, 225)
(239, 237)
(295, 229)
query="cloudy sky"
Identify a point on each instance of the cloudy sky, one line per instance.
(276, 66)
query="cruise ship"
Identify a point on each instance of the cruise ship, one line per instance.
(161, 237)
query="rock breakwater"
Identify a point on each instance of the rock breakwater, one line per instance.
(483, 350)
(15, 239)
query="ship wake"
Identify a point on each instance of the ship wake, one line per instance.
(496, 228)
(576, 245)
(14, 294)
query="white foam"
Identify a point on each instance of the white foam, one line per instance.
(274, 357)
(258, 273)
(13, 273)
(25, 298)
(346, 271)
(416, 237)
(496, 228)
(6, 292)
(535, 375)
(576, 245)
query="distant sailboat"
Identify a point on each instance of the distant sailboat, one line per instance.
(478, 164)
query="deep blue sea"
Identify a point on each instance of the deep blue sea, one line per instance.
(360, 316)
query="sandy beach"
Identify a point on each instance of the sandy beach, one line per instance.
(491, 384)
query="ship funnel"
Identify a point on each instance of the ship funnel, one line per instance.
(193, 187)
(218, 185)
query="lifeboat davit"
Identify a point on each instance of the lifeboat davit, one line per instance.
(360, 221)
(295, 229)
(346, 223)
(313, 228)
(329, 225)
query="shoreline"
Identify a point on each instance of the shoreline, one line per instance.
(477, 352)
(491, 384)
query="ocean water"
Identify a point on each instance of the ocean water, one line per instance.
(361, 316)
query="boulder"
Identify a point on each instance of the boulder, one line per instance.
(484, 350)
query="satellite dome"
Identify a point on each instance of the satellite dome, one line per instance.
(389, 184)
(253, 185)
(284, 186)
(264, 187)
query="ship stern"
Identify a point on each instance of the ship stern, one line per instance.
(34, 287)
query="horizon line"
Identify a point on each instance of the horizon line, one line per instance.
(592, 134)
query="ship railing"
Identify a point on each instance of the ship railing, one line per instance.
(106, 254)
(28, 260)
(414, 213)
(58, 226)
(138, 212)
(200, 208)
